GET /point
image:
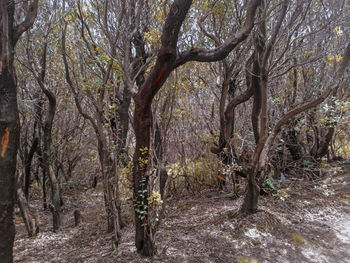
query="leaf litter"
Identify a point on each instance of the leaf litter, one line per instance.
(305, 226)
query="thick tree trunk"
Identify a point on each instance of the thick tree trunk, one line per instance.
(9, 120)
(250, 203)
(257, 85)
(9, 141)
(143, 121)
(226, 128)
(9, 133)
(256, 174)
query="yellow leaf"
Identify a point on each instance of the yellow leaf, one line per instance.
(338, 58)
(337, 31)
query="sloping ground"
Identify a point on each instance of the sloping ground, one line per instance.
(302, 223)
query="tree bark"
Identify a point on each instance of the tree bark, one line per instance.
(291, 140)
(324, 142)
(250, 203)
(9, 140)
(142, 121)
(9, 120)
(167, 61)
(29, 219)
(161, 171)
(120, 128)
(55, 205)
(28, 167)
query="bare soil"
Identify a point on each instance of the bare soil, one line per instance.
(304, 222)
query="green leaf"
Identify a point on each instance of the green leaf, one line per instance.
(270, 185)
(114, 245)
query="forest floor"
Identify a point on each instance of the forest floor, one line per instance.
(304, 222)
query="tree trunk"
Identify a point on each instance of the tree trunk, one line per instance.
(55, 205)
(292, 142)
(9, 141)
(44, 189)
(28, 167)
(158, 160)
(324, 141)
(143, 122)
(9, 120)
(30, 220)
(250, 203)
(77, 217)
(110, 184)
(120, 128)
(163, 178)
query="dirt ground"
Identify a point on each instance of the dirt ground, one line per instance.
(303, 222)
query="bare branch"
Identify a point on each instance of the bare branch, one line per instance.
(305, 106)
(28, 21)
(219, 53)
(275, 32)
(70, 83)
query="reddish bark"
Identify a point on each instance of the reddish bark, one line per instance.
(167, 61)
(158, 78)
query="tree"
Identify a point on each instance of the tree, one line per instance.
(9, 119)
(106, 82)
(47, 155)
(167, 61)
(264, 139)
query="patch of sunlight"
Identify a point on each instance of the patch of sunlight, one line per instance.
(299, 241)
(242, 259)
(255, 233)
